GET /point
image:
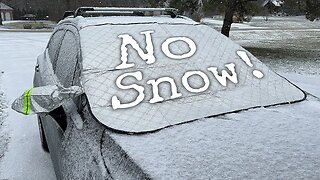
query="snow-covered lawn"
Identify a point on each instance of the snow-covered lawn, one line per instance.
(274, 22)
(25, 159)
(218, 24)
(3, 133)
(19, 24)
(287, 22)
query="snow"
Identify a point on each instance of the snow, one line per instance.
(307, 82)
(286, 22)
(13, 21)
(218, 23)
(190, 106)
(267, 143)
(280, 142)
(3, 132)
(259, 23)
(24, 158)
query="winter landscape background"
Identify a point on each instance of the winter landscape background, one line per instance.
(289, 45)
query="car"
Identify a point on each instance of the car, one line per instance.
(135, 93)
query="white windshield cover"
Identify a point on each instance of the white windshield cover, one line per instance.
(190, 61)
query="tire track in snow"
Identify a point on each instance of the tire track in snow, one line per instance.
(3, 134)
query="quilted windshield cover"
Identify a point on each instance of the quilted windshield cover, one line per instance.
(190, 61)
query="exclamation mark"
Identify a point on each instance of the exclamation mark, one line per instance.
(243, 55)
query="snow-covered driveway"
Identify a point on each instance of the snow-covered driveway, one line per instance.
(24, 158)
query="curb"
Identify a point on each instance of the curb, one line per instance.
(26, 30)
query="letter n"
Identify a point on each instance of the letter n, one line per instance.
(126, 40)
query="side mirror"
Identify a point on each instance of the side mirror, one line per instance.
(44, 99)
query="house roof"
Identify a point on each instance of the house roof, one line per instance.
(265, 2)
(5, 7)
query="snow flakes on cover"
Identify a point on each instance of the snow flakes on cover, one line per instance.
(101, 54)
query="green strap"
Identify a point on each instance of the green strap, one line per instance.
(27, 102)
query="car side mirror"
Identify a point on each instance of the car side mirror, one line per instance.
(44, 99)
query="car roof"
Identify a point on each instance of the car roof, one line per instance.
(82, 22)
(93, 16)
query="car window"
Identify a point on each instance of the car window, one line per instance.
(54, 45)
(67, 59)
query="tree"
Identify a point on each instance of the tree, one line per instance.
(56, 8)
(312, 9)
(294, 7)
(155, 3)
(190, 8)
(0, 14)
(228, 17)
(232, 7)
(213, 7)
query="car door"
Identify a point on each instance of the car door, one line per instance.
(43, 70)
(63, 52)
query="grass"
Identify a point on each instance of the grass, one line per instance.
(30, 25)
(305, 61)
(283, 53)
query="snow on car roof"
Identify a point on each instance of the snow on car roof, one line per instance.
(89, 21)
(146, 76)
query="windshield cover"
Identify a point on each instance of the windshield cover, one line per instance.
(144, 77)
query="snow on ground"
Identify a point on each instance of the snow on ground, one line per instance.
(18, 24)
(295, 54)
(218, 24)
(274, 22)
(286, 22)
(3, 133)
(24, 158)
(13, 21)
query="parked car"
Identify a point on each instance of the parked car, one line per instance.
(111, 90)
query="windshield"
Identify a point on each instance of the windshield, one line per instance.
(144, 77)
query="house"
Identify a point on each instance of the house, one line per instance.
(6, 12)
(277, 3)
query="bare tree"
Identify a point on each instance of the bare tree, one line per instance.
(228, 18)
(232, 6)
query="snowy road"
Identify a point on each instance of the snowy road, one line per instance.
(24, 158)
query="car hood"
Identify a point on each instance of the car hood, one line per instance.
(272, 142)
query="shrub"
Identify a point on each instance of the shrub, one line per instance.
(27, 26)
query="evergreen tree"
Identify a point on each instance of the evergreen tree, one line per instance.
(312, 9)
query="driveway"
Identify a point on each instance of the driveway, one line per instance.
(24, 158)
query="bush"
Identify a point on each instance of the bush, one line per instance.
(39, 25)
(27, 26)
(312, 9)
